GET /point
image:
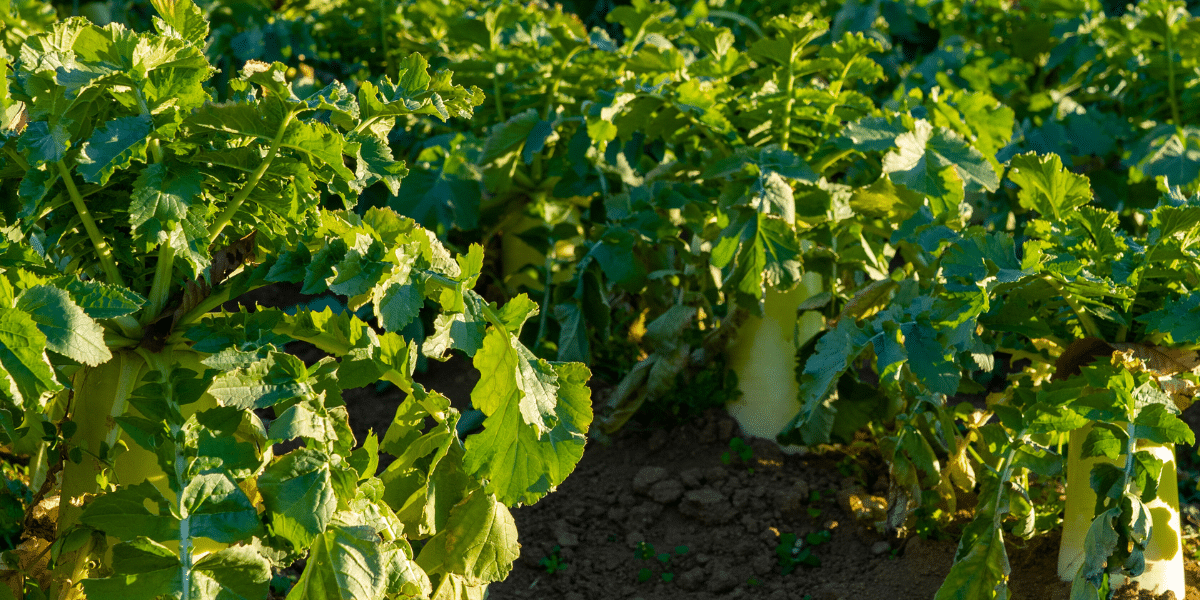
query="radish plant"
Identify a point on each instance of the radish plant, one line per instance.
(1103, 318)
(134, 208)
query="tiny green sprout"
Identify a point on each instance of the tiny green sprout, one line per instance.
(791, 550)
(681, 550)
(664, 557)
(814, 512)
(644, 575)
(554, 562)
(667, 577)
(643, 551)
(742, 449)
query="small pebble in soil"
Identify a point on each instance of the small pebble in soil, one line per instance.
(715, 474)
(880, 548)
(705, 505)
(666, 491)
(721, 581)
(644, 513)
(692, 478)
(692, 580)
(762, 565)
(563, 534)
(647, 477)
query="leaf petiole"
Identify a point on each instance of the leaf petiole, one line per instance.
(226, 215)
(103, 251)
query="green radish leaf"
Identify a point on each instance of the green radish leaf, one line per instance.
(1157, 424)
(1147, 471)
(1177, 319)
(981, 567)
(929, 361)
(101, 300)
(1105, 440)
(399, 305)
(260, 121)
(509, 136)
(123, 514)
(873, 134)
(218, 509)
(298, 492)
(375, 163)
(478, 543)
(265, 383)
(68, 330)
(305, 419)
(144, 570)
(1047, 187)
(114, 146)
(517, 393)
(834, 351)
(349, 561)
(238, 573)
(924, 152)
(757, 252)
(1099, 544)
(318, 142)
(161, 212)
(1169, 151)
(181, 18)
(573, 344)
(46, 144)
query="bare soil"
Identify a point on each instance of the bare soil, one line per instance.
(671, 489)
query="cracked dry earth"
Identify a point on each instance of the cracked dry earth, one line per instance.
(715, 528)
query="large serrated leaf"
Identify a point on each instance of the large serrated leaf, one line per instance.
(298, 492)
(69, 331)
(238, 573)
(144, 570)
(218, 509)
(114, 146)
(265, 383)
(924, 152)
(181, 18)
(479, 542)
(350, 562)
(101, 300)
(1047, 187)
(529, 444)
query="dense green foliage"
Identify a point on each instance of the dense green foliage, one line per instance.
(978, 183)
(135, 205)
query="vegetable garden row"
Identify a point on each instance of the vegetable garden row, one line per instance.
(966, 231)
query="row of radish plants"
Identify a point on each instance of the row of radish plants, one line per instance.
(966, 229)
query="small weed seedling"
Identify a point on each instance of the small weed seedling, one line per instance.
(794, 551)
(739, 447)
(815, 497)
(554, 562)
(645, 551)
